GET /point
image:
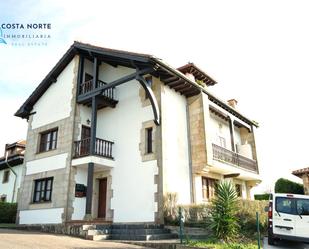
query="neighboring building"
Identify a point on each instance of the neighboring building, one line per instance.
(110, 132)
(11, 170)
(303, 174)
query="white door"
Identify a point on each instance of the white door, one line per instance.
(302, 218)
(284, 216)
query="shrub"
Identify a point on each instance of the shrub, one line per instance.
(260, 197)
(246, 214)
(286, 186)
(8, 212)
(224, 206)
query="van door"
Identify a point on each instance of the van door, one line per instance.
(302, 218)
(284, 216)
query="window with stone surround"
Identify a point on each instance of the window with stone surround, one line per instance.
(238, 190)
(6, 176)
(208, 187)
(48, 140)
(43, 190)
(149, 135)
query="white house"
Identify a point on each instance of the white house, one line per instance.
(111, 132)
(11, 170)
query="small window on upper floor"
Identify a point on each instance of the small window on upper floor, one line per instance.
(149, 140)
(222, 142)
(48, 140)
(149, 82)
(6, 176)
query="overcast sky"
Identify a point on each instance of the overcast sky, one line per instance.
(257, 51)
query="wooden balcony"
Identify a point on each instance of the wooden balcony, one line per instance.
(107, 98)
(225, 155)
(103, 148)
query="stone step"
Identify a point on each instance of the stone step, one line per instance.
(143, 237)
(98, 232)
(101, 237)
(88, 227)
(141, 231)
(137, 226)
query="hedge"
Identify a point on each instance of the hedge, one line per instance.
(8, 212)
(198, 215)
(286, 186)
(260, 197)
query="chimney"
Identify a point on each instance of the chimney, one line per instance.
(232, 103)
(190, 76)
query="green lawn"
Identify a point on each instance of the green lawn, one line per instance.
(215, 244)
(7, 225)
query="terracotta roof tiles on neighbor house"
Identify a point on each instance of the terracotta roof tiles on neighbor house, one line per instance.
(300, 172)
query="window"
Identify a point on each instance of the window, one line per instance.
(3, 198)
(43, 190)
(238, 190)
(208, 188)
(48, 140)
(149, 82)
(6, 176)
(149, 140)
(302, 206)
(222, 142)
(284, 205)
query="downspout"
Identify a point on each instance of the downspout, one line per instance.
(189, 153)
(13, 171)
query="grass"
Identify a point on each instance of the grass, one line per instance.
(7, 225)
(215, 244)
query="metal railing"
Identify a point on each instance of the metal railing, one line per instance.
(222, 154)
(88, 86)
(102, 148)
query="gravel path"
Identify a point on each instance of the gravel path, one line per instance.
(17, 239)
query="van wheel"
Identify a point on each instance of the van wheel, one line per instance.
(271, 240)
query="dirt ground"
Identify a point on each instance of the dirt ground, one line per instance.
(17, 239)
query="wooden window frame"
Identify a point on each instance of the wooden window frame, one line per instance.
(48, 144)
(6, 176)
(42, 190)
(149, 137)
(238, 188)
(208, 193)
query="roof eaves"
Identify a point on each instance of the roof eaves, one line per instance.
(226, 106)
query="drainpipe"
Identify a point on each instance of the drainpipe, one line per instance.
(189, 153)
(13, 171)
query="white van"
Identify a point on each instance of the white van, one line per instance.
(288, 217)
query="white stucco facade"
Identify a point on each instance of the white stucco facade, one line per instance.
(41, 216)
(79, 203)
(122, 125)
(46, 164)
(176, 172)
(7, 188)
(55, 104)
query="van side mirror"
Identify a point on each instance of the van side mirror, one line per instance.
(266, 209)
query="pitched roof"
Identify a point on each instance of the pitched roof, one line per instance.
(300, 172)
(197, 73)
(170, 76)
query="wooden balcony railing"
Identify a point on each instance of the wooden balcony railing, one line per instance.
(102, 148)
(88, 86)
(222, 154)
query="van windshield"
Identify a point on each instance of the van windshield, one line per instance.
(285, 205)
